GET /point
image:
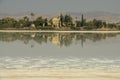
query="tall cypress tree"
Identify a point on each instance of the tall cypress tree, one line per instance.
(61, 19)
(82, 20)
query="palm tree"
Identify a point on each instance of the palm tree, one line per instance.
(32, 15)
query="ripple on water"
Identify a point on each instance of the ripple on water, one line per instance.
(49, 62)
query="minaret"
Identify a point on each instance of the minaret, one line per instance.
(82, 20)
(60, 19)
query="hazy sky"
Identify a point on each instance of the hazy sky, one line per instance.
(56, 6)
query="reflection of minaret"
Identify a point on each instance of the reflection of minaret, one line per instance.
(82, 41)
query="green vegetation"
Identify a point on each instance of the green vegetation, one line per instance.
(61, 39)
(66, 22)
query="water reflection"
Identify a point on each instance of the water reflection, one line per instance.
(60, 39)
(100, 52)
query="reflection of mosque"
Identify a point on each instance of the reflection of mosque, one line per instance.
(56, 40)
(59, 39)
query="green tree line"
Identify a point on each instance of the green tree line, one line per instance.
(45, 23)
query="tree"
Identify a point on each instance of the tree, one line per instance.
(24, 22)
(78, 23)
(68, 21)
(112, 25)
(32, 16)
(90, 25)
(26, 18)
(39, 22)
(8, 22)
(83, 21)
(46, 21)
(61, 19)
(97, 23)
(105, 24)
(51, 23)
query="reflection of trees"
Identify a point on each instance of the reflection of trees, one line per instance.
(66, 39)
(40, 38)
(59, 39)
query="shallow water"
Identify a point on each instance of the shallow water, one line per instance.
(28, 63)
(82, 51)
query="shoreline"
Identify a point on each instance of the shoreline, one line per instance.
(71, 74)
(55, 31)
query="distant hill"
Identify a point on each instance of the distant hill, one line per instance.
(4, 15)
(101, 15)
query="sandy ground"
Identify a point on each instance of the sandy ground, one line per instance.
(59, 74)
(60, 31)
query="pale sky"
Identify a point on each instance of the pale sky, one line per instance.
(56, 6)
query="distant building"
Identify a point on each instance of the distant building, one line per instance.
(56, 22)
(33, 25)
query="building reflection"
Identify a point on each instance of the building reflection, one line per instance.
(59, 39)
